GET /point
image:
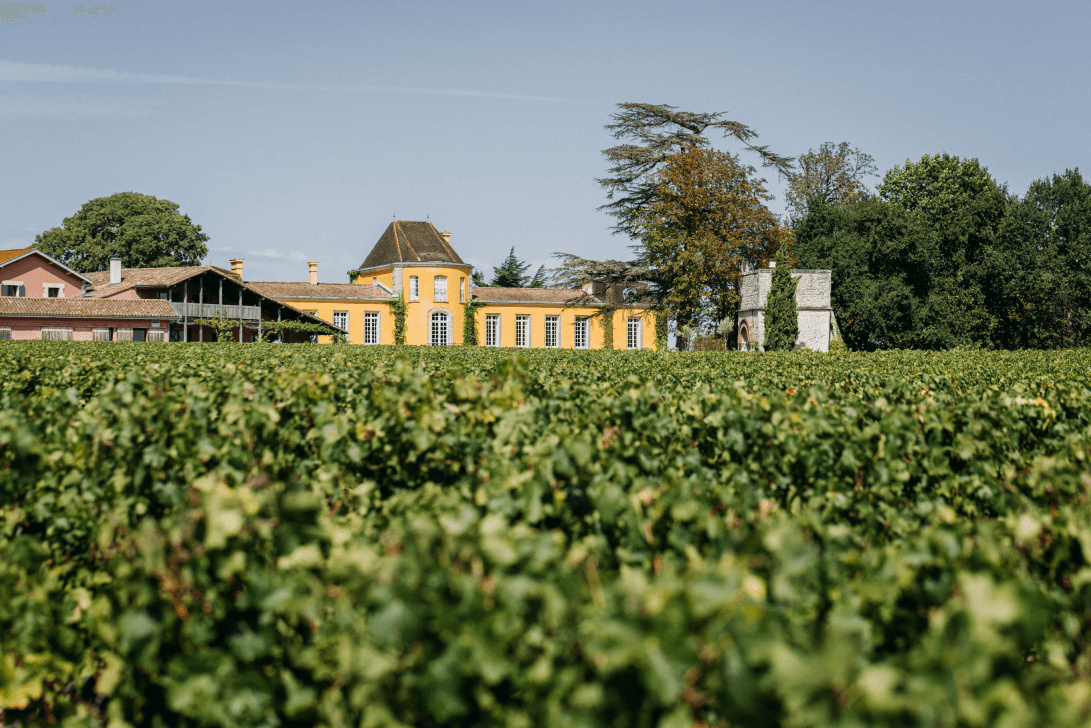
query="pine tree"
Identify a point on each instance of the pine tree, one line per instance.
(511, 273)
(539, 279)
(781, 317)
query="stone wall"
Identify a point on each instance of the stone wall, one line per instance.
(812, 302)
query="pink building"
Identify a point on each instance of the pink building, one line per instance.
(43, 299)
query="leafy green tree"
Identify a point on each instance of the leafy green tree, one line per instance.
(937, 186)
(656, 132)
(833, 173)
(781, 316)
(708, 219)
(878, 254)
(144, 231)
(1057, 257)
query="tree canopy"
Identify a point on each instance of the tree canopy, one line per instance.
(512, 274)
(781, 314)
(937, 186)
(654, 133)
(947, 257)
(833, 173)
(706, 222)
(144, 231)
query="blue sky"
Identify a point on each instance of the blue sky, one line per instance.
(295, 131)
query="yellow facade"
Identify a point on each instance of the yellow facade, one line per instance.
(413, 260)
(567, 317)
(325, 309)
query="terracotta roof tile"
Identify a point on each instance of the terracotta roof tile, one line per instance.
(275, 289)
(411, 241)
(85, 308)
(140, 277)
(530, 295)
(6, 255)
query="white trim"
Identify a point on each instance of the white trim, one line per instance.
(581, 330)
(414, 288)
(522, 337)
(492, 332)
(47, 286)
(556, 321)
(435, 289)
(377, 318)
(634, 341)
(54, 261)
(448, 325)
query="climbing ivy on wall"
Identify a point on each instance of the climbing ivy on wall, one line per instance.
(607, 320)
(399, 309)
(469, 323)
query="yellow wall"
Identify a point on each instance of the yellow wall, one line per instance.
(538, 313)
(418, 315)
(355, 311)
(418, 319)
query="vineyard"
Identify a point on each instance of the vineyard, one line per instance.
(261, 535)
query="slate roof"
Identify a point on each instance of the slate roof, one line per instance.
(141, 277)
(274, 289)
(6, 255)
(85, 307)
(529, 295)
(411, 241)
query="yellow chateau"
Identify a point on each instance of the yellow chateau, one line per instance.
(415, 262)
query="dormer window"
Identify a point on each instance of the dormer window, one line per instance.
(629, 294)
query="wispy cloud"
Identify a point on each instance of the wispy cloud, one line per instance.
(19, 72)
(87, 107)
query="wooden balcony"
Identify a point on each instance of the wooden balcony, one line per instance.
(215, 310)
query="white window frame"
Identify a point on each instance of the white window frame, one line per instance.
(522, 330)
(56, 333)
(462, 290)
(372, 333)
(435, 319)
(439, 289)
(344, 317)
(581, 332)
(20, 289)
(47, 287)
(414, 288)
(552, 332)
(492, 329)
(634, 332)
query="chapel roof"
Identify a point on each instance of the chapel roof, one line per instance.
(411, 241)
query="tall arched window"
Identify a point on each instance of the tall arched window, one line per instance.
(441, 329)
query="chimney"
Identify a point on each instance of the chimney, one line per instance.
(236, 266)
(312, 270)
(446, 237)
(115, 271)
